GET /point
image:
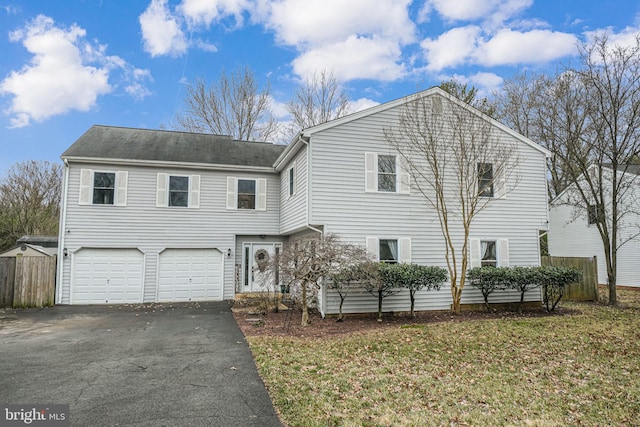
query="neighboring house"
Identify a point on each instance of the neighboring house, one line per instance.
(170, 216)
(573, 231)
(33, 246)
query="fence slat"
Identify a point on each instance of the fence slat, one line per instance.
(585, 290)
(7, 278)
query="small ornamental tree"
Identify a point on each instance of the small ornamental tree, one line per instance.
(488, 280)
(379, 282)
(553, 281)
(351, 274)
(306, 261)
(415, 278)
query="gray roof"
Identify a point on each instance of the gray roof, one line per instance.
(109, 142)
(45, 241)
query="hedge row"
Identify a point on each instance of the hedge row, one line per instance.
(553, 281)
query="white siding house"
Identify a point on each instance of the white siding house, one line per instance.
(574, 233)
(241, 201)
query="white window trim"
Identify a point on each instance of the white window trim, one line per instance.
(403, 178)
(404, 247)
(502, 251)
(162, 191)
(261, 193)
(292, 172)
(85, 196)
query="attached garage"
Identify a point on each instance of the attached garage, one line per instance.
(190, 275)
(107, 276)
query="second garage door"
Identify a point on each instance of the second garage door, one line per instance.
(190, 275)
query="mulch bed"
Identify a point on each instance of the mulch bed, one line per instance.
(285, 323)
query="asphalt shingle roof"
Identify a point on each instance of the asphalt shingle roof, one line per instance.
(109, 142)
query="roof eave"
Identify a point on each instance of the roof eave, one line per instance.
(169, 164)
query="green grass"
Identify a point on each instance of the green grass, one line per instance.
(578, 369)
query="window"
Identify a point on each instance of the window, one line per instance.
(488, 252)
(485, 179)
(595, 214)
(246, 194)
(104, 188)
(292, 182)
(179, 191)
(388, 251)
(387, 173)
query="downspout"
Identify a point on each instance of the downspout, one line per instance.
(62, 232)
(323, 300)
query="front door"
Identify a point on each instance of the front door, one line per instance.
(256, 260)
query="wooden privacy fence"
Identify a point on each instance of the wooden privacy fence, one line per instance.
(587, 289)
(27, 281)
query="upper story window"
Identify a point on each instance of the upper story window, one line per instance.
(103, 187)
(178, 190)
(292, 180)
(246, 194)
(485, 180)
(595, 214)
(386, 173)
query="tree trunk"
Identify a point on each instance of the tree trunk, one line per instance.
(456, 296)
(305, 309)
(379, 306)
(340, 316)
(412, 296)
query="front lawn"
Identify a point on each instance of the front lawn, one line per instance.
(579, 367)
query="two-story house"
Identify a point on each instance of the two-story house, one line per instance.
(170, 216)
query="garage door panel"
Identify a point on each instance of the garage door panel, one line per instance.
(190, 275)
(111, 276)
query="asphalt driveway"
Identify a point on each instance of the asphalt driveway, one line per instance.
(164, 365)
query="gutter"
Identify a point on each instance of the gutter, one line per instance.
(181, 165)
(62, 232)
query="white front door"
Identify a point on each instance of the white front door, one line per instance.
(256, 259)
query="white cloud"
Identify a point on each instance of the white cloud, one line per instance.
(316, 23)
(66, 73)
(451, 48)
(509, 47)
(161, 32)
(362, 104)
(354, 58)
(204, 12)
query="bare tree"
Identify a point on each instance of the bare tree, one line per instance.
(604, 175)
(318, 100)
(29, 201)
(233, 105)
(458, 165)
(306, 261)
(469, 95)
(549, 111)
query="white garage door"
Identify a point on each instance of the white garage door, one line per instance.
(190, 275)
(107, 276)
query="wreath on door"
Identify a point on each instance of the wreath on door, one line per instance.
(261, 256)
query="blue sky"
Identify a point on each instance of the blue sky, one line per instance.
(67, 65)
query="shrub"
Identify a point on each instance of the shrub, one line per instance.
(553, 281)
(414, 278)
(488, 280)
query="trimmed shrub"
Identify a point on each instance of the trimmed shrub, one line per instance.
(414, 278)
